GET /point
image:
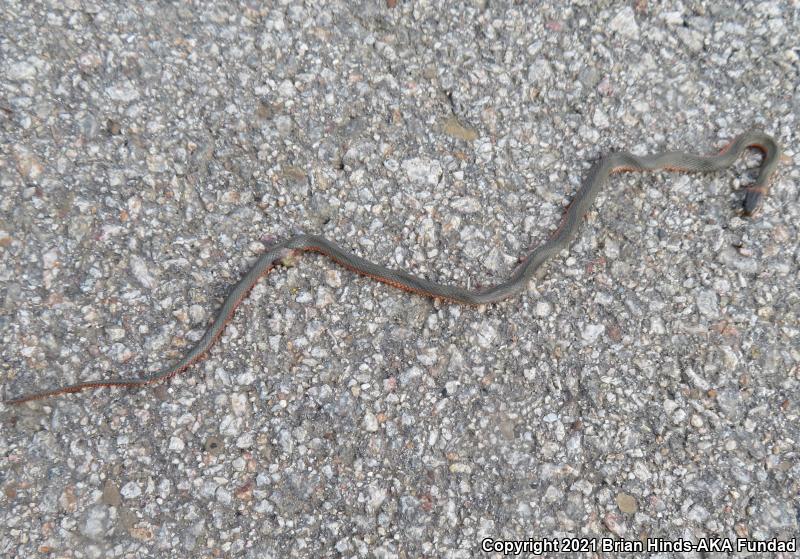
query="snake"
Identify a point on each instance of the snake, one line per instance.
(557, 241)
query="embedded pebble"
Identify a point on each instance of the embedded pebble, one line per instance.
(540, 71)
(624, 23)
(197, 313)
(707, 303)
(111, 495)
(333, 278)
(370, 422)
(626, 503)
(95, 523)
(20, 71)
(591, 332)
(139, 268)
(543, 309)
(422, 170)
(131, 490)
(28, 164)
(486, 334)
(123, 91)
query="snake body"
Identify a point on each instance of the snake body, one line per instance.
(557, 241)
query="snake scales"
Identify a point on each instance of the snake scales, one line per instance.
(558, 240)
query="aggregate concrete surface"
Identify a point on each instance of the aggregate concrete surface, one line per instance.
(644, 386)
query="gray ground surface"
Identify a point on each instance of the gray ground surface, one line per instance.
(646, 385)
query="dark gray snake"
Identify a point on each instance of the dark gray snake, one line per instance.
(559, 240)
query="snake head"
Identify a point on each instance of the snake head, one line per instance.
(753, 198)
